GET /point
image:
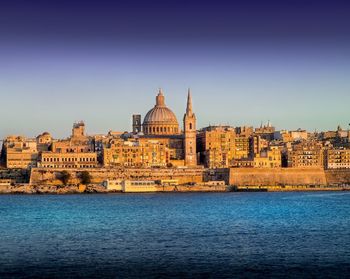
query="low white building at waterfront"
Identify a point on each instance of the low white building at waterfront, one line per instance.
(130, 186)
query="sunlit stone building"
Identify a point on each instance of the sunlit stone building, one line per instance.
(337, 158)
(216, 146)
(44, 141)
(135, 153)
(68, 160)
(265, 131)
(161, 125)
(306, 154)
(160, 120)
(75, 152)
(20, 152)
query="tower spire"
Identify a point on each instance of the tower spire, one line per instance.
(189, 103)
(190, 134)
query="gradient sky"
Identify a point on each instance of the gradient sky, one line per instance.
(102, 61)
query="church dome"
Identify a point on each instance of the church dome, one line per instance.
(160, 120)
(160, 115)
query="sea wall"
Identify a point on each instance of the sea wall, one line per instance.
(338, 177)
(16, 175)
(281, 176)
(49, 176)
(232, 176)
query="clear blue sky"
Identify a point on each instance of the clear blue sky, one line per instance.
(101, 62)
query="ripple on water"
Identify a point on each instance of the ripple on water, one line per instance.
(176, 235)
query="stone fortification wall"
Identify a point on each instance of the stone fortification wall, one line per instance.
(50, 176)
(281, 176)
(16, 175)
(338, 177)
(219, 174)
(232, 176)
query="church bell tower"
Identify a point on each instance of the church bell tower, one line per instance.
(136, 123)
(189, 122)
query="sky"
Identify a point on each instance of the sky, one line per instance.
(246, 62)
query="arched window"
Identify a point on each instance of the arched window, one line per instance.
(190, 126)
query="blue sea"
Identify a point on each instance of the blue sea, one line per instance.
(176, 235)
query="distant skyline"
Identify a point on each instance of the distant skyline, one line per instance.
(102, 61)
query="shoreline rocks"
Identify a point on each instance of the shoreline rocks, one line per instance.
(52, 189)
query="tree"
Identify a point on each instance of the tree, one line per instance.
(85, 177)
(64, 177)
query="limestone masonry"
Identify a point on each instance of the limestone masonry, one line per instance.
(158, 149)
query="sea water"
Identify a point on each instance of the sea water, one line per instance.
(192, 235)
